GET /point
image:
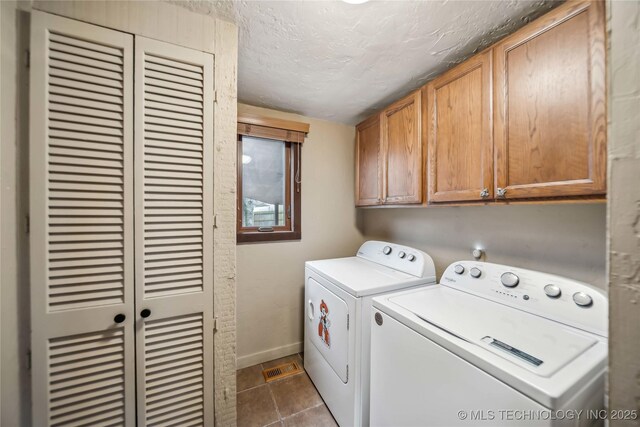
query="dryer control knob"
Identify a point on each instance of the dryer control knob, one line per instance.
(386, 250)
(509, 279)
(458, 268)
(475, 272)
(401, 254)
(411, 257)
(552, 291)
(582, 299)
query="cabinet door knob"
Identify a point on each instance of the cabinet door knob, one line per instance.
(119, 318)
(484, 193)
(145, 313)
(501, 192)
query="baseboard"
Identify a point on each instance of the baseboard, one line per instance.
(267, 355)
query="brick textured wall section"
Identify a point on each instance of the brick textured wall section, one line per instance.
(226, 48)
(624, 208)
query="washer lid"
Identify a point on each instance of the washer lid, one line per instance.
(532, 342)
(361, 277)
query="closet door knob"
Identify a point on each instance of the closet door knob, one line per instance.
(119, 318)
(145, 313)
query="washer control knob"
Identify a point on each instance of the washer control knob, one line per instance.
(475, 272)
(509, 279)
(401, 254)
(386, 250)
(411, 257)
(582, 299)
(458, 268)
(552, 291)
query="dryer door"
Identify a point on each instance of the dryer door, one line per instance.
(326, 322)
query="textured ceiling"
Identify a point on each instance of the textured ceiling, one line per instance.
(341, 62)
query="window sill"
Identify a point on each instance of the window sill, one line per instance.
(268, 236)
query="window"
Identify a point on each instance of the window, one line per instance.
(269, 185)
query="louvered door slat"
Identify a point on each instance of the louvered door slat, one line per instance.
(86, 77)
(81, 213)
(184, 78)
(174, 177)
(99, 107)
(195, 114)
(85, 69)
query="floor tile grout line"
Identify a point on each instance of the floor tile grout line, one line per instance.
(304, 410)
(274, 402)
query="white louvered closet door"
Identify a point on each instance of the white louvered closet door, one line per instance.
(174, 234)
(81, 239)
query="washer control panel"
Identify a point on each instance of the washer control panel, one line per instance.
(558, 298)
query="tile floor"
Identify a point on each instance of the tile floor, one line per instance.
(290, 402)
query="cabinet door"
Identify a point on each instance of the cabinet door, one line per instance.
(550, 125)
(81, 202)
(174, 234)
(368, 162)
(460, 142)
(402, 148)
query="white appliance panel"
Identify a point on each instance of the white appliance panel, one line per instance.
(340, 371)
(531, 342)
(339, 397)
(433, 349)
(435, 384)
(327, 321)
(361, 277)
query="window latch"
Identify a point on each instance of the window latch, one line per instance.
(265, 229)
(289, 212)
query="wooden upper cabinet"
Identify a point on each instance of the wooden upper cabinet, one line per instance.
(368, 162)
(550, 123)
(402, 148)
(459, 133)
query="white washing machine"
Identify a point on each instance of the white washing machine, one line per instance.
(338, 294)
(492, 345)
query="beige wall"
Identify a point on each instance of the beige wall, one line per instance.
(624, 208)
(567, 239)
(157, 20)
(270, 285)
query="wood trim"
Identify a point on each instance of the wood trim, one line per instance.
(270, 133)
(292, 230)
(484, 63)
(290, 125)
(426, 124)
(596, 183)
(287, 192)
(597, 199)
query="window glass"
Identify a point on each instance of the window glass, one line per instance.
(263, 182)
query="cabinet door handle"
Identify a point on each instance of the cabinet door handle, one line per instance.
(145, 313)
(501, 192)
(119, 318)
(484, 193)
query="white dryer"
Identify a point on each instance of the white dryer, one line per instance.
(338, 294)
(492, 345)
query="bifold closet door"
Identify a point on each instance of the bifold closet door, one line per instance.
(174, 234)
(81, 237)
